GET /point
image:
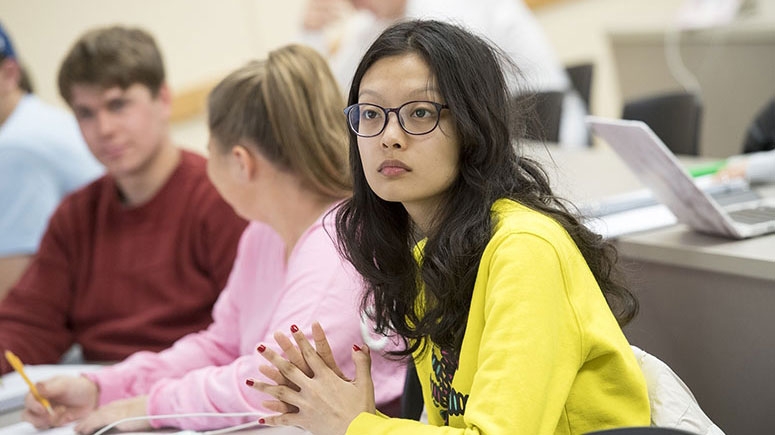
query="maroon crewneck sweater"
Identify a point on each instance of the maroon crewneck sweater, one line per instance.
(118, 280)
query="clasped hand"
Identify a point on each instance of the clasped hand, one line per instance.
(311, 390)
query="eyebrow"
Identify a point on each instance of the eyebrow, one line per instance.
(418, 92)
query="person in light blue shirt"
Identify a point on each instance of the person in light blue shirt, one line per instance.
(42, 158)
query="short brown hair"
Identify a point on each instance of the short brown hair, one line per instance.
(290, 108)
(112, 56)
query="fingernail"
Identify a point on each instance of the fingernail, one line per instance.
(261, 420)
(261, 348)
(294, 328)
(250, 382)
(356, 348)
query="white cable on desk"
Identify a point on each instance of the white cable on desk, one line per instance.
(191, 415)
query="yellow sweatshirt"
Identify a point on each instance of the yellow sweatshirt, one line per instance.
(542, 352)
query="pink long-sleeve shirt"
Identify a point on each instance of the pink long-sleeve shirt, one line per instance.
(206, 371)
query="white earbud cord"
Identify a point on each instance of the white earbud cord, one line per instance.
(192, 415)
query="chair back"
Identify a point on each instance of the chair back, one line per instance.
(674, 117)
(649, 430)
(412, 401)
(581, 78)
(539, 116)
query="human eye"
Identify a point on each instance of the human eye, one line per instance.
(422, 110)
(370, 113)
(116, 105)
(83, 114)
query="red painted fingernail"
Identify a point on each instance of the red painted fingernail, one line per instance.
(261, 348)
(250, 382)
(356, 348)
(294, 328)
(261, 420)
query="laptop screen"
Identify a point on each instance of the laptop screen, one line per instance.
(657, 168)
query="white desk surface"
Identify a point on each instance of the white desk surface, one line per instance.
(16, 428)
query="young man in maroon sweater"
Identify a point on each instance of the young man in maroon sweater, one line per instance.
(136, 259)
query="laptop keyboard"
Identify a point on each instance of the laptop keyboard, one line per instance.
(754, 215)
(734, 196)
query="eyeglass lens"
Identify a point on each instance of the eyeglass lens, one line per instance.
(415, 117)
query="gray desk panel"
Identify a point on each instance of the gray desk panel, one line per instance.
(678, 246)
(717, 332)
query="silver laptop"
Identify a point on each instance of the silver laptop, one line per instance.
(658, 169)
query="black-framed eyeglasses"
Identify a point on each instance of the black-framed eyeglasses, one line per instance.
(415, 117)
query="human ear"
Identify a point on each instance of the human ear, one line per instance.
(244, 163)
(10, 74)
(164, 96)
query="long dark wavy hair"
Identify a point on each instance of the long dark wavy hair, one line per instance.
(376, 236)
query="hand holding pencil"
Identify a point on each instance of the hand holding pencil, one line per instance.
(17, 365)
(71, 397)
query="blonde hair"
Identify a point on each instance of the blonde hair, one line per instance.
(290, 108)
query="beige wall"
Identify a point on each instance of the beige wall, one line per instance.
(202, 40)
(732, 66)
(578, 31)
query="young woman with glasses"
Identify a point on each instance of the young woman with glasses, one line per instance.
(506, 302)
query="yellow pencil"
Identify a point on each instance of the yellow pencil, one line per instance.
(17, 365)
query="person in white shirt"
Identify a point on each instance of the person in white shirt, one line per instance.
(757, 164)
(342, 30)
(757, 168)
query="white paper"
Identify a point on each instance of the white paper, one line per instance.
(13, 389)
(25, 428)
(632, 221)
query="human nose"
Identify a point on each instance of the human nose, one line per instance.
(105, 123)
(393, 135)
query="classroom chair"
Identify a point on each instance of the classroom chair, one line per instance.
(581, 78)
(675, 117)
(411, 401)
(642, 431)
(672, 403)
(543, 111)
(674, 410)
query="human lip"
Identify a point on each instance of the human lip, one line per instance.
(393, 167)
(113, 152)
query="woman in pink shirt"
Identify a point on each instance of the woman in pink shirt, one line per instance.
(278, 155)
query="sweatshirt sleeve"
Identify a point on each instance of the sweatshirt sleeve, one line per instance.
(34, 314)
(317, 286)
(537, 308)
(217, 345)
(761, 167)
(523, 378)
(138, 373)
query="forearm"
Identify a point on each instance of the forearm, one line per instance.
(213, 389)
(138, 373)
(11, 269)
(30, 330)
